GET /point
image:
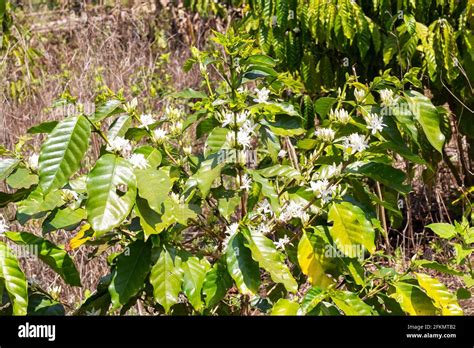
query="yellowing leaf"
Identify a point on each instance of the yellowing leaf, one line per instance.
(310, 263)
(80, 238)
(442, 297)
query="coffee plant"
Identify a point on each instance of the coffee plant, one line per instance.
(238, 199)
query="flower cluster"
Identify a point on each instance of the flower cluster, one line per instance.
(323, 190)
(340, 116)
(387, 97)
(374, 123)
(355, 143)
(294, 210)
(325, 134)
(262, 96)
(120, 145)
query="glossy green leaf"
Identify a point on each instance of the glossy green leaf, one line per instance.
(194, 273)
(152, 155)
(15, 280)
(64, 218)
(62, 152)
(109, 108)
(54, 256)
(119, 127)
(215, 140)
(313, 297)
(133, 265)
(351, 229)
(7, 166)
(385, 174)
(350, 303)
(270, 259)
(111, 187)
(444, 230)
(427, 115)
(166, 277)
(216, 284)
(44, 127)
(279, 171)
(154, 186)
(242, 268)
(209, 171)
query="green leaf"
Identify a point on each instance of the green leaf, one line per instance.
(215, 140)
(119, 127)
(442, 297)
(54, 256)
(350, 303)
(446, 231)
(152, 155)
(285, 307)
(35, 205)
(209, 171)
(280, 170)
(216, 283)
(106, 207)
(44, 127)
(385, 174)
(351, 229)
(130, 273)
(64, 218)
(323, 105)
(194, 273)
(7, 166)
(286, 126)
(427, 115)
(154, 186)
(312, 298)
(166, 277)
(311, 261)
(62, 152)
(189, 93)
(270, 259)
(267, 188)
(109, 108)
(15, 280)
(242, 268)
(175, 212)
(462, 252)
(436, 266)
(412, 299)
(149, 218)
(22, 178)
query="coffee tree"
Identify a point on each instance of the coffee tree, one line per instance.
(238, 199)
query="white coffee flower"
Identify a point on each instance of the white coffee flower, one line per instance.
(146, 120)
(228, 119)
(280, 244)
(262, 96)
(292, 210)
(244, 138)
(282, 153)
(387, 98)
(160, 134)
(176, 127)
(69, 195)
(331, 170)
(172, 113)
(340, 115)
(375, 123)
(325, 134)
(177, 198)
(323, 189)
(188, 150)
(242, 117)
(3, 225)
(355, 143)
(246, 183)
(230, 232)
(264, 207)
(138, 161)
(263, 228)
(359, 94)
(120, 145)
(33, 161)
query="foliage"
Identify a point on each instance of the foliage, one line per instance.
(281, 211)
